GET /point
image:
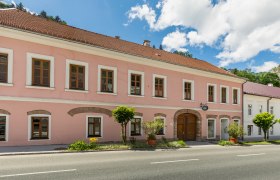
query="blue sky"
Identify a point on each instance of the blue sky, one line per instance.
(233, 33)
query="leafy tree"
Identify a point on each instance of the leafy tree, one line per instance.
(4, 5)
(276, 70)
(265, 121)
(160, 47)
(186, 54)
(123, 115)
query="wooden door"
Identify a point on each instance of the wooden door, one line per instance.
(186, 127)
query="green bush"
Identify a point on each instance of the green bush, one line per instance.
(177, 144)
(225, 143)
(79, 146)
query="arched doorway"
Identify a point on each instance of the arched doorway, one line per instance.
(187, 125)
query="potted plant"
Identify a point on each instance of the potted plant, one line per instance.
(151, 129)
(235, 131)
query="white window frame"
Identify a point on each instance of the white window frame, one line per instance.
(260, 110)
(215, 92)
(129, 128)
(164, 88)
(227, 94)
(238, 95)
(215, 126)
(250, 108)
(164, 124)
(271, 131)
(67, 75)
(142, 82)
(101, 128)
(29, 69)
(30, 128)
(271, 108)
(259, 131)
(192, 89)
(7, 127)
(115, 85)
(10, 54)
(252, 130)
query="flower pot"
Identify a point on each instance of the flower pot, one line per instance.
(151, 142)
(233, 140)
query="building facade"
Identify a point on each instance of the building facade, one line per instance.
(60, 84)
(260, 98)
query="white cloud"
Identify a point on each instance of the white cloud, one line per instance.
(175, 41)
(243, 28)
(267, 66)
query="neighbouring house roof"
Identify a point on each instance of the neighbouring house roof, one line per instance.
(261, 90)
(24, 21)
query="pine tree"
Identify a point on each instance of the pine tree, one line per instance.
(43, 14)
(160, 47)
(20, 7)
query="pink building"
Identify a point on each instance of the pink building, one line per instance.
(59, 84)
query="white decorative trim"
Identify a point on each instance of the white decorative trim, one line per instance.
(164, 88)
(142, 82)
(75, 90)
(10, 54)
(221, 126)
(129, 127)
(215, 92)
(99, 51)
(7, 127)
(115, 85)
(214, 128)
(238, 95)
(6, 84)
(192, 89)
(67, 78)
(39, 87)
(29, 57)
(227, 94)
(106, 93)
(101, 128)
(164, 124)
(30, 128)
(95, 103)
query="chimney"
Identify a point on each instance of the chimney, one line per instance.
(146, 43)
(270, 84)
(117, 37)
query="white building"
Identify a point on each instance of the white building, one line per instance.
(260, 98)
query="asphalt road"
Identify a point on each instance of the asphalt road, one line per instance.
(255, 162)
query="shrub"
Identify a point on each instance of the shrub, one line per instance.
(79, 146)
(235, 131)
(151, 128)
(177, 144)
(225, 143)
(132, 140)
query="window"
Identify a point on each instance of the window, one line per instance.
(211, 93)
(224, 94)
(39, 128)
(250, 130)
(211, 129)
(135, 127)
(94, 127)
(40, 72)
(260, 108)
(3, 68)
(6, 67)
(271, 109)
(259, 131)
(188, 90)
(162, 130)
(271, 130)
(235, 96)
(236, 121)
(107, 79)
(77, 77)
(159, 84)
(3, 128)
(135, 86)
(249, 109)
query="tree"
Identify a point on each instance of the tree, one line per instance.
(57, 19)
(21, 7)
(43, 14)
(151, 128)
(235, 130)
(265, 121)
(186, 54)
(5, 5)
(123, 115)
(160, 47)
(276, 70)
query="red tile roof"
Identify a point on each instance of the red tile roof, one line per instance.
(27, 22)
(261, 90)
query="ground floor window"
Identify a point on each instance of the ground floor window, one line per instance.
(271, 130)
(161, 131)
(259, 131)
(211, 128)
(3, 128)
(236, 121)
(250, 130)
(39, 128)
(135, 127)
(94, 126)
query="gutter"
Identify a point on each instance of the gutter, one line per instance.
(243, 107)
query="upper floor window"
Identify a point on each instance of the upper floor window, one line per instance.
(135, 83)
(211, 93)
(107, 79)
(3, 128)
(135, 127)
(40, 72)
(260, 108)
(235, 96)
(6, 66)
(249, 109)
(271, 110)
(159, 84)
(77, 77)
(188, 90)
(224, 94)
(94, 126)
(3, 68)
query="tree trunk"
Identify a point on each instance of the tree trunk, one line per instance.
(123, 134)
(125, 125)
(265, 135)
